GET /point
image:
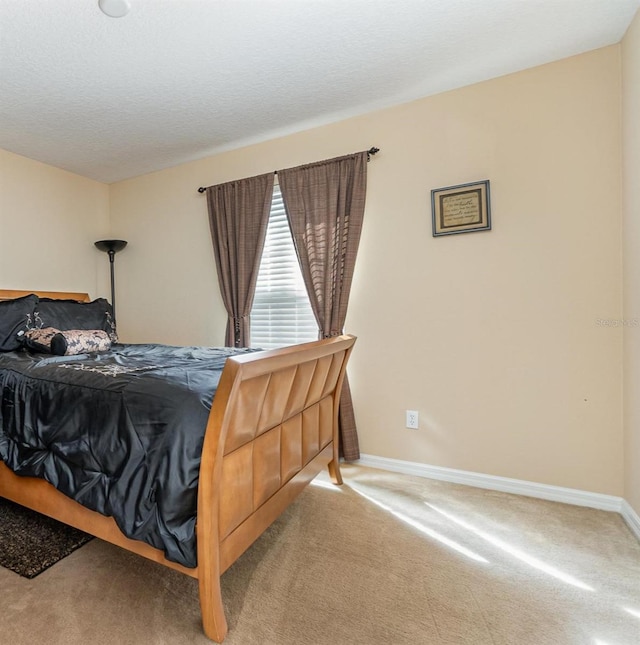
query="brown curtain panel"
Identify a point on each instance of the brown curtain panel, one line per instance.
(325, 207)
(238, 216)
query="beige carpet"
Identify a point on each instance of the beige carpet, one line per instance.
(386, 559)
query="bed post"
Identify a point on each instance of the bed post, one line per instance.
(214, 622)
(334, 464)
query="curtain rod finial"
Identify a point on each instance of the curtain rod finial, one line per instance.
(371, 152)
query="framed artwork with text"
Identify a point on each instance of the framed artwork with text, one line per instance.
(461, 209)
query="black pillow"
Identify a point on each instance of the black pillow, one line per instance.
(69, 314)
(15, 316)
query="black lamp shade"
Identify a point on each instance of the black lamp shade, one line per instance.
(111, 245)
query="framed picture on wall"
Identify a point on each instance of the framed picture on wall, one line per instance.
(461, 209)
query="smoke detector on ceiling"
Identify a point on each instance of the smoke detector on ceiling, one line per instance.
(114, 8)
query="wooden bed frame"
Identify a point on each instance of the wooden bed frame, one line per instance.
(272, 428)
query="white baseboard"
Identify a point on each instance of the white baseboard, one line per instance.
(631, 518)
(506, 485)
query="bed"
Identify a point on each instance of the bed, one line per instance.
(270, 428)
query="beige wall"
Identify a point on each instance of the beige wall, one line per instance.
(631, 221)
(49, 220)
(492, 336)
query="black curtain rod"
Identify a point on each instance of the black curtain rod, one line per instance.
(370, 153)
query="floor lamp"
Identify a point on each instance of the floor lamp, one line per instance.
(112, 247)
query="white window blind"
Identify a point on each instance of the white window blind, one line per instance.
(281, 314)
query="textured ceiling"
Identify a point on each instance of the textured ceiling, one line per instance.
(177, 80)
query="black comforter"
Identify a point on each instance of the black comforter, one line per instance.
(119, 432)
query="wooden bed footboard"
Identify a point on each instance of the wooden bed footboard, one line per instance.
(272, 428)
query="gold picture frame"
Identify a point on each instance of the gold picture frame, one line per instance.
(461, 209)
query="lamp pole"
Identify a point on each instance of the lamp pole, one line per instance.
(112, 247)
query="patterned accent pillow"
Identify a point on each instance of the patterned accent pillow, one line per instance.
(39, 340)
(80, 341)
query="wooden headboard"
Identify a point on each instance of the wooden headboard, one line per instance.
(10, 294)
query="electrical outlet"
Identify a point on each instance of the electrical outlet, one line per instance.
(413, 419)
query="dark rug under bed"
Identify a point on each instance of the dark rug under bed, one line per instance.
(31, 543)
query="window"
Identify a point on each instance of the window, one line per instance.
(281, 314)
